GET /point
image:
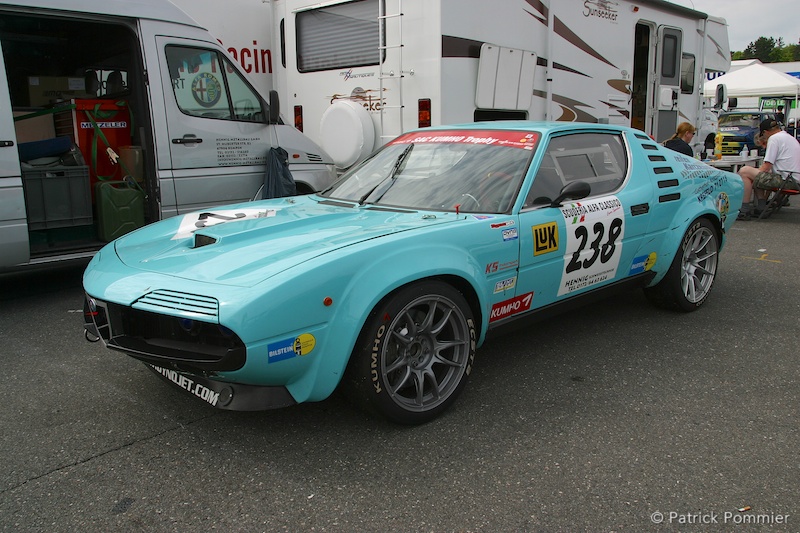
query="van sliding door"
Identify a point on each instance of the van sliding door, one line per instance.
(13, 223)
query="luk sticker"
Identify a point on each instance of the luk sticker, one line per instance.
(545, 238)
(291, 347)
(511, 307)
(595, 230)
(196, 221)
(206, 89)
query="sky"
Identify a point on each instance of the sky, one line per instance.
(750, 19)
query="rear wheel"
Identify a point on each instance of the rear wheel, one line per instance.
(414, 353)
(691, 275)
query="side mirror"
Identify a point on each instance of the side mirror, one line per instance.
(574, 190)
(732, 103)
(720, 96)
(274, 107)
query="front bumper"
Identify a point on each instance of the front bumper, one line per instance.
(190, 345)
(224, 395)
(180, 354)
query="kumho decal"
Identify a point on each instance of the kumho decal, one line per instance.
(511, 307)
(511, 139)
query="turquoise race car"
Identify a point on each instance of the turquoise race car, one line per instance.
(388, 282)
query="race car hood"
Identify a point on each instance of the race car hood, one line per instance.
(248, 243)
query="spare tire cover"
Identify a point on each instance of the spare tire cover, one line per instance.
(347, 133)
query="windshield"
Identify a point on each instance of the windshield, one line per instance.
(747, 120)
(465, 171)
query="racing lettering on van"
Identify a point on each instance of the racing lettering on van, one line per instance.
(595, 232)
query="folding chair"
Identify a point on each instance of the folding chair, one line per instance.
(780, 196)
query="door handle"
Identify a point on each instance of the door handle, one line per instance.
(6, 144)
(187, 139)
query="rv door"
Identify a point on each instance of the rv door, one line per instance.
(13, 223)
(217, 126)
(668, 78)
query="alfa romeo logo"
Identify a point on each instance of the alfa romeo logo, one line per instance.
(206, 89)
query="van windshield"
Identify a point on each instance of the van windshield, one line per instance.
(747, 120)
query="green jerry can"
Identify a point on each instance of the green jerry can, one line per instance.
(120, 209)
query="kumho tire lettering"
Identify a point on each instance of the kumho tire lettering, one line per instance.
(414, 353)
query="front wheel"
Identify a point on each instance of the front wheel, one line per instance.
(414, 353)
(688, 282)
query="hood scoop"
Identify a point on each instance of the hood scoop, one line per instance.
(201, 240)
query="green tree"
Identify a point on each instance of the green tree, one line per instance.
(769, 50)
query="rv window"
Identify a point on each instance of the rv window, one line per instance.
(687, 73)
(203, 89)
(338, 36)
(669, 57)
(597, 158)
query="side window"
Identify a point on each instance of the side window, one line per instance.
(207, 85)
(687, 73)
(599, 159)
(338, 36)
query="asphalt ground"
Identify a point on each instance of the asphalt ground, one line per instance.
(615, 417)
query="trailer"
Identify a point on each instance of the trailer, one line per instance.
(358, 73)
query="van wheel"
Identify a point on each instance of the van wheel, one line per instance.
(414, 353)
(691, 275)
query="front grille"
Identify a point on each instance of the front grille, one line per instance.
(190, 305)
(173, 342)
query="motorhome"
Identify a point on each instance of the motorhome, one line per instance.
(357, 73)
(114, 114)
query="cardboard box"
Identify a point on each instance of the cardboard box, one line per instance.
(34, 129)
(46, 90)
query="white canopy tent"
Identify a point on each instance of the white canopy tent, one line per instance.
(755, 80)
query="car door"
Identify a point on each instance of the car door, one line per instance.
(13, 222)
(217, 125)
(589, 243)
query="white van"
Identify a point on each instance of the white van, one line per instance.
(114, 114)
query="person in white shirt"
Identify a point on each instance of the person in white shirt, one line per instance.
(781, 159)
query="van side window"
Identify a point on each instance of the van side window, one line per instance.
(599, 159)
(207, 85)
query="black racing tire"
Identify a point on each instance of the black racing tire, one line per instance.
(414, 354)
(690, 277)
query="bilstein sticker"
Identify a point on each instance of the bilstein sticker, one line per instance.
(291, 347)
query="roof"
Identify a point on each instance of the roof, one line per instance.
(142, 9)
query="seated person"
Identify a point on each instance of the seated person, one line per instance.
(680, 140)
(781, 159)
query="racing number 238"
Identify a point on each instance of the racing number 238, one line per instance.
(602, 250)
